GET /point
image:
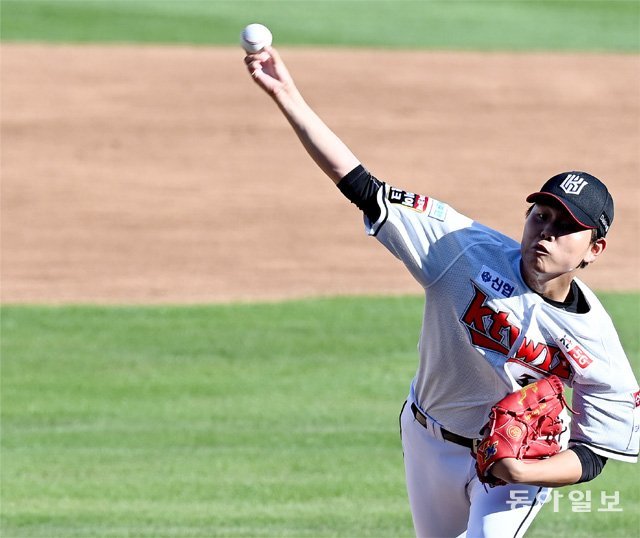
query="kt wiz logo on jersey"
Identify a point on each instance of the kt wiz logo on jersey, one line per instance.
(490, 329)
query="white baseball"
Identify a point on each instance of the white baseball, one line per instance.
(255, 37)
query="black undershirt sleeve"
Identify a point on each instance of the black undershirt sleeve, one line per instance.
(361, 188)
(592, 463)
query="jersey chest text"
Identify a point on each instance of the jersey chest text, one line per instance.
(491, 330)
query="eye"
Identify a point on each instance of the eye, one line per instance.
(569, 226)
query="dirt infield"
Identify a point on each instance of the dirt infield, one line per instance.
(162, 175)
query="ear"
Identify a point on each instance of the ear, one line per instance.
(595, 249)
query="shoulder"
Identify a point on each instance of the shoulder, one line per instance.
(511, 246)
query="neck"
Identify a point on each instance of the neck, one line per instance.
(555, 288)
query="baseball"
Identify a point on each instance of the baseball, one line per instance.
(255, 37)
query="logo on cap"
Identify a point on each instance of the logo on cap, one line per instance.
(573, 184)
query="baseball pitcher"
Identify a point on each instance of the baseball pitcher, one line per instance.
(507, 326)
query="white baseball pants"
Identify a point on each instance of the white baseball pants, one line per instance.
(448, 500)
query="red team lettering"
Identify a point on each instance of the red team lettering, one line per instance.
(490, 329)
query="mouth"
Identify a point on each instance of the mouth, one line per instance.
(539, 248)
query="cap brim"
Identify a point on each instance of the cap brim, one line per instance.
(576, 213)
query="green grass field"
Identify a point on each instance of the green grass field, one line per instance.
(236, 420)
(609, 25)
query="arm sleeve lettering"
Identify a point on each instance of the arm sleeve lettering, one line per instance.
(410, 224)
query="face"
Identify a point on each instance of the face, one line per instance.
(553, 244)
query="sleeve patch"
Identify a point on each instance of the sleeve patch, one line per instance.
(437, 210)
(417, 202)
(494, 282)
(579, 355)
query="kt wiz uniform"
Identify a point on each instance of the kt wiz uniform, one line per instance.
(485, 333)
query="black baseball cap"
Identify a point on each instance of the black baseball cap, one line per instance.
(584, 196)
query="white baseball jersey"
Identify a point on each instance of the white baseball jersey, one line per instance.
(485, 331)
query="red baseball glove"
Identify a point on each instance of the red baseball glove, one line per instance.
(523, 425)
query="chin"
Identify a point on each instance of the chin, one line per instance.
(536, 266)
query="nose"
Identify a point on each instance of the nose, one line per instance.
(547, 232)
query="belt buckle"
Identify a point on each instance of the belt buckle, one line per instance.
(475, 443)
